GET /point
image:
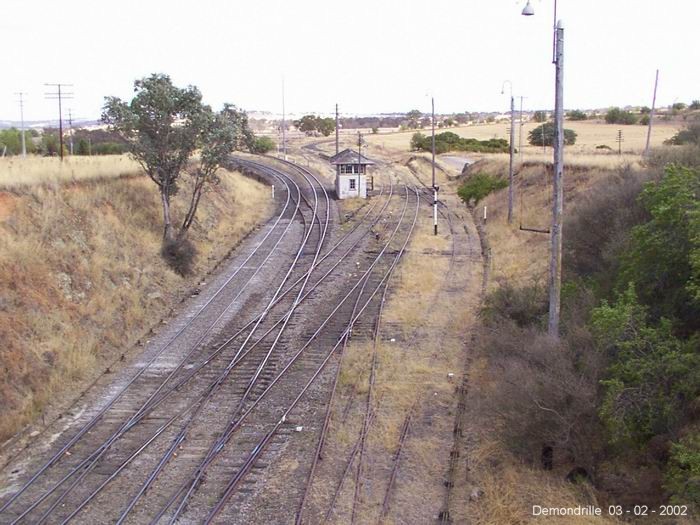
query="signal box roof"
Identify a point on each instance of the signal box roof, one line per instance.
(350, 156)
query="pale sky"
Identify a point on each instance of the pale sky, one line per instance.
(370, 56)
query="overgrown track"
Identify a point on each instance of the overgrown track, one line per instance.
(180, 420)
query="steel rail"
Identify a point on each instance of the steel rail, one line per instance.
(260, 447)
(85, 471)
(195, 408)
(234, 424)
(221, 347)
(128, 424)
(99, 415)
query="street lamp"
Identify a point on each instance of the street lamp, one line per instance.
(512, 148)
(558, 161)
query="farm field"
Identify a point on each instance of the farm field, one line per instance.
(16, 172)
(590, 134)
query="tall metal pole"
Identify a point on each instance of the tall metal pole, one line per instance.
(337, 143)
(284, 125)
(21, 117)
(558, 193)
(359, 161)
(435, 188)
(651, 114)
(510, 164)
(520, 130)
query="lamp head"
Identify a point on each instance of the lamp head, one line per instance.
(528, 10)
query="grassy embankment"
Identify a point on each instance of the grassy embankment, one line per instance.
(80, 271)
(528, 391)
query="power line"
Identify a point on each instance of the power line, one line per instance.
(59, 95)
(70, 130)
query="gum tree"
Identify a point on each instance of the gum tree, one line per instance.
(163, 125)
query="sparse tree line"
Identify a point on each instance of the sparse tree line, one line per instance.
(449, 141)
(617, 395)
(46, 142)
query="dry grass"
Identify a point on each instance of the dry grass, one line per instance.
(590, 135)
(82, 279)
(16, 172)
(510, 489)
(521, 256)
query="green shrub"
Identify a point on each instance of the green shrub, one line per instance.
(682, 477)
(620, 116)
(262, 145)
(653, 375)
(449, 141)
(576, 114)
(479, 186)
(418, 141)
(664, 259)
(543, 135)
(689, 135)
(540, 116)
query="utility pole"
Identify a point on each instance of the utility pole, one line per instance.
(70, 131)
(435, 188)
(59, 95)
(284, 125)
(359, 161)
(558, 192)
(337, 143)
(619, 141)
(21, 117)
(520, 130)
(510, 164)
(651, 114)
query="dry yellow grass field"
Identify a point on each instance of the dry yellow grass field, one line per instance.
(81, 275)
(590, 134)
(16, 172)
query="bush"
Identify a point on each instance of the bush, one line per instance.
(262, 145)
(598, 230)
(12, 139)
(653, 376)
(108, 148)
(179, 254)
(644, 121)
(682, 478)
(417, 141)
(540, 116)
(543, 135)
(689, 135)
(695, 104)
(576, 114)
(542, 392)
(449, 141)
(479, 186)
(619, 116)
(664, 259)
(526, 306)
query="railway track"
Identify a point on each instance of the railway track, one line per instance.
(164, 423)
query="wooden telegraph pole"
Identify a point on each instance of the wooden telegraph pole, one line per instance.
(558, 200)
(59, 95)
